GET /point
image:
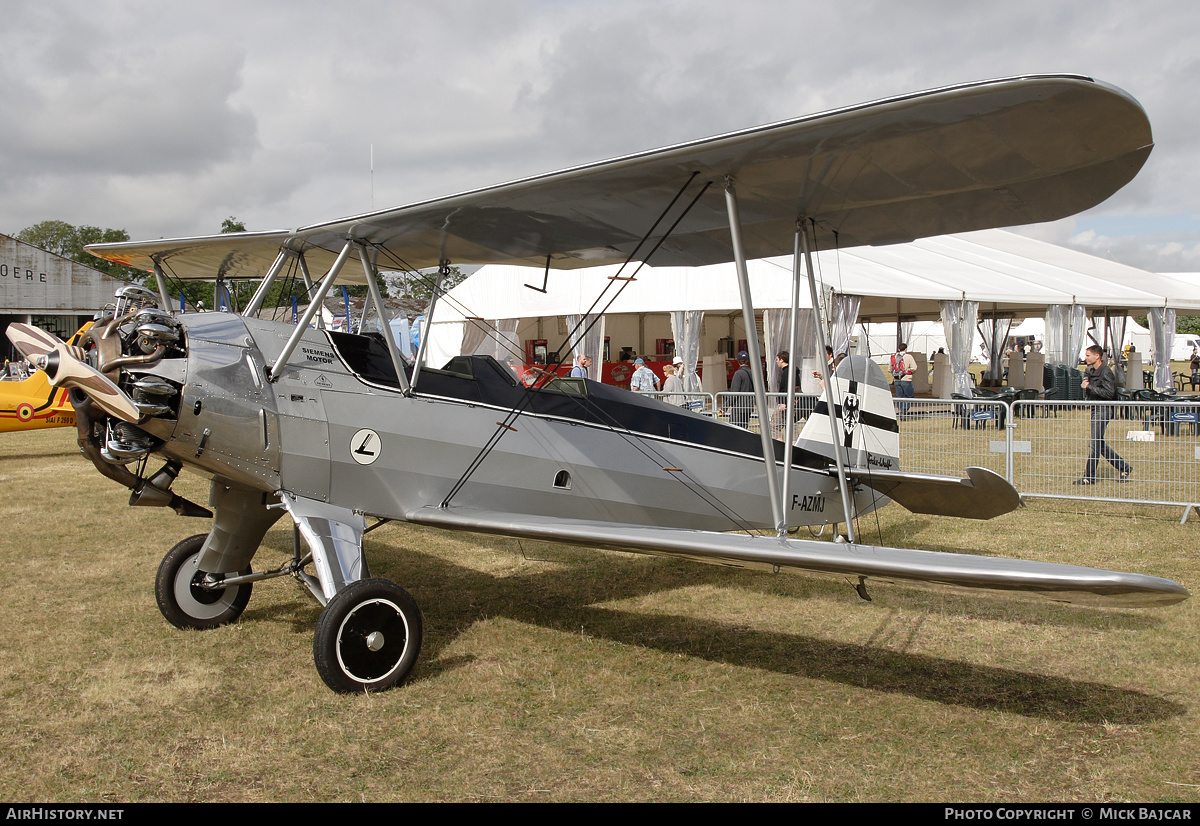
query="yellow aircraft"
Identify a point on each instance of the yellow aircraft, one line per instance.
(33, 403)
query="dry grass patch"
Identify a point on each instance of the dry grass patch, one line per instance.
(553, 673)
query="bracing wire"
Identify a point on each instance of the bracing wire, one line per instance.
(503, 427)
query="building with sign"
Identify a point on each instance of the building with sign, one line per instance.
(47, 291)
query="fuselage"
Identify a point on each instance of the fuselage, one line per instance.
(33, 404)
(334, 426)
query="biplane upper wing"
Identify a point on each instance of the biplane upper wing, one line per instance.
(987, 154)
(1061, 583)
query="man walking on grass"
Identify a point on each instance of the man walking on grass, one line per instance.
(1099, 384)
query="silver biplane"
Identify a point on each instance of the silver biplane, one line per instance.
(334, 427)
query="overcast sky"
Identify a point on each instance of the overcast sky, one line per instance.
(163, 118)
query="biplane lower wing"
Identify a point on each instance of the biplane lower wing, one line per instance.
(1060, 583)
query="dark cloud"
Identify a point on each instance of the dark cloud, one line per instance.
(152, 117)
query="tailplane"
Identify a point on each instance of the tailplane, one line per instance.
(869, 442)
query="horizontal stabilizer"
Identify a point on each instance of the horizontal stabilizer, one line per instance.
(1061, 583)
(982, 495)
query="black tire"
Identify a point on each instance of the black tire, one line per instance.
(368, 637)
(183, 602)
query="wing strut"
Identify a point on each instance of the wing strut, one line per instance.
(313, 306)
(309, 286)
(760, 395)
(443, 269)
(789, 433)
(834, 410)
(161, 278)
(388, 338)
(260, 294)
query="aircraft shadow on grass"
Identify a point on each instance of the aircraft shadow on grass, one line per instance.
(566, 600)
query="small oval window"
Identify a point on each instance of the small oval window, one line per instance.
(562, 480)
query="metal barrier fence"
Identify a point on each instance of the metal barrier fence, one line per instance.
(739, 409)
(696, 402)
(1041, 447)
(1159, 440)
(944, 436)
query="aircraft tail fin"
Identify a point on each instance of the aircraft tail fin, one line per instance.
(866, 418)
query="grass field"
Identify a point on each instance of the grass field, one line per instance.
(552, 673)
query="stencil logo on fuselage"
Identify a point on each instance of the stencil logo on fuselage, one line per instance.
(365, 446)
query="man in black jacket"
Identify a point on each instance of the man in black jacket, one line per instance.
(740, 406)
(1099, 384)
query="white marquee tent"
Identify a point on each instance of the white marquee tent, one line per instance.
(972, 275)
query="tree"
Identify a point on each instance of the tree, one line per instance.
(1183, 323)
(1187, 324)
(419, 285)
(57, 237)
(232, 224)
(61, 238)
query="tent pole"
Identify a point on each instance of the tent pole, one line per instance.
(760, 396)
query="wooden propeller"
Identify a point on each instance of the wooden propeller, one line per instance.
(65, 368)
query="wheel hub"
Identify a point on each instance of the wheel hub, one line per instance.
(375, 640)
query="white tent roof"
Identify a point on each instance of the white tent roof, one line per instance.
(1003, 271)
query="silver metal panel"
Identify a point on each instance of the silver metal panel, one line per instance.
(304, 466)
(227, 421)
(427, 444)
(982, 495)
(241, 519)
(978, 155)
(1063, 583)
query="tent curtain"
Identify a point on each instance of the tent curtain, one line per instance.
(685, 328)
(477, 337)
(904, 330)
(1162, 333)
(496, 338)
(1065, 332)
(994, 330)
(845, 316)
(776, 328)
(1116, 328)
(508, 346)
(1109, 330)
(585, 334)
(958, 322)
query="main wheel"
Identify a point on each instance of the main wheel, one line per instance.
(368, 637)
(181, 599)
